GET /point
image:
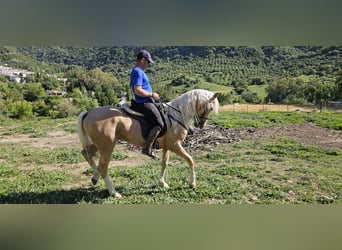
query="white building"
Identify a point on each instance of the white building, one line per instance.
(15, 75)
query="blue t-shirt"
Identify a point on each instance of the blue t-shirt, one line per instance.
(138, 77)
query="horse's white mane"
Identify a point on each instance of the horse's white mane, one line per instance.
(186, 103)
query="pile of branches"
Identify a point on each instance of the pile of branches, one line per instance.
(205, 139)
(209, 137)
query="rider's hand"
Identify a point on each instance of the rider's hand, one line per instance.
(155, 96)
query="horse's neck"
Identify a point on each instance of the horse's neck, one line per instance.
(182, 109)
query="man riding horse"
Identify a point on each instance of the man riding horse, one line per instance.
(100, 128)
(144, 99)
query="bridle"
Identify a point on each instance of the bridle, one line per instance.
(204, 118)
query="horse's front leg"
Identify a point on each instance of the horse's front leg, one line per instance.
(165, 162)
(179, 150)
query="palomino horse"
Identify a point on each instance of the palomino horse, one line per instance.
(100, 128)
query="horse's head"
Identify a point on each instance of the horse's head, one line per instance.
(203, 108)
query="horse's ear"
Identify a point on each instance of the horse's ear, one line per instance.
(214, 96)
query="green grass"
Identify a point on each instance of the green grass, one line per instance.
(259, 89)
(38, 127)
(25, 186)
(20, 154)
(326, 119)
(291, 148)
(214, 87)
(263, 171)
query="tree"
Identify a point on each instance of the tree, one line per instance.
(257, 81)
(338, 83)
(103, 84)
(98, 77)
(296, 91)
(3, 107)
(225, 98)
(81, 101)
(50, 82)
(250, 97)
(105, 95)
(240, 86)
(286, 90)
(65, 109)
(12, 91)
(33, 92)
(4, 78)
(40, 108)
(319, 92)
(276, 90)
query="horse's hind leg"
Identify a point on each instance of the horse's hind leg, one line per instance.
(103, 169)
(89, 153)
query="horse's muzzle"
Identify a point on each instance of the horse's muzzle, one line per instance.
(200, 123)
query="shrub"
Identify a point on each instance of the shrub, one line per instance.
(40, 108)
(20, 109)
(85, 103)
(65, 109)
(250, 97)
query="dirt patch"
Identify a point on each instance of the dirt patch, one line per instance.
(306, 133)
(50, 141)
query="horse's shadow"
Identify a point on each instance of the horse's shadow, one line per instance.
(72, 196)
(93, 195)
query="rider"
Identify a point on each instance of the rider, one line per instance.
(144, 99)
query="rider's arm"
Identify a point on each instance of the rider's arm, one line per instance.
(138, 90)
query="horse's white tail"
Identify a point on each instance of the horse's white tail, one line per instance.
(85, 140)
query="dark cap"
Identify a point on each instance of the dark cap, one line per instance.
(145, 54)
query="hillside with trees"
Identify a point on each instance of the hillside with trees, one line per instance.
(100, 75)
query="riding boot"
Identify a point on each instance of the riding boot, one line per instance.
(152, 136)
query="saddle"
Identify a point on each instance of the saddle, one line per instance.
(144, 123)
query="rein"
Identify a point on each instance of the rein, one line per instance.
(172, 107)
(175, 119)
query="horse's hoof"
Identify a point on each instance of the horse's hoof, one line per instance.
(116, 195)
(192, 185)
(94, 181)
(164, 185)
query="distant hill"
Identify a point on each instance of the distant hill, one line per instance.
(95, 76)
(217, 64)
